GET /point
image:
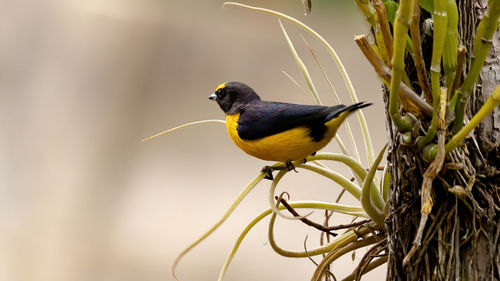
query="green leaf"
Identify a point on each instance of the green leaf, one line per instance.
(391, 7)
(427, 5)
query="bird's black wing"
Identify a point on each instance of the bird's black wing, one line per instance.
(261, 119)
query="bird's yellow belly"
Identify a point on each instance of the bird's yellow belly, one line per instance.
(293, 144)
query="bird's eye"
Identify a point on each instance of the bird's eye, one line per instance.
(220, 93)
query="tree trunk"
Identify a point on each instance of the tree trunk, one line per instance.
(460, 240)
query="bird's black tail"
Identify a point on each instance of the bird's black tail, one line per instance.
(356, 106)
(351, 108)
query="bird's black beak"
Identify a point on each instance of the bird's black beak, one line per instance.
(212, 97)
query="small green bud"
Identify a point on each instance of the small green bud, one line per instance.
(430, 152)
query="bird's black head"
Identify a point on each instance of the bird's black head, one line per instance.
(232, 95)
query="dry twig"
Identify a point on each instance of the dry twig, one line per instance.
(418, 55)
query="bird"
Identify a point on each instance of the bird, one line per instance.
(278, 131)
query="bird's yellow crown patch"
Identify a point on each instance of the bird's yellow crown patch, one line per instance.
(221, 86)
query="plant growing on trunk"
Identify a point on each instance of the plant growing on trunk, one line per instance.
(440, 220)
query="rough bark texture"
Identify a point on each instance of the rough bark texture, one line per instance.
(460, 241)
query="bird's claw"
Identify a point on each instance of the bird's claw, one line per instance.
(268, 170)
(289, 166)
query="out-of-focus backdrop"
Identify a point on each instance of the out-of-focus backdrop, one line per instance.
(83, 81)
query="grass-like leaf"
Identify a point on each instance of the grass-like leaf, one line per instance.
(185, 125)
(335, 254)
(339, 242)
(358, 171)
(233, 206)
(346, 122)
(370, 208)
(301, 65)
(339, 208)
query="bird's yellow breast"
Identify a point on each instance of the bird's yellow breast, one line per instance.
(293, 144)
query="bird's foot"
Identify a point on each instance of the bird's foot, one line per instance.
(268, 170)
(289, 166)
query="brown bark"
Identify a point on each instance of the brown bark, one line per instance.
(460, 241)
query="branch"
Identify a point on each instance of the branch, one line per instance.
(318, 226)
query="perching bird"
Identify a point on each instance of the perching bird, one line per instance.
(277, 131)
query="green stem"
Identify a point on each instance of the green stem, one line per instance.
(401, 26)
(438, 38)
(451, 43)
(480, 49)
(367, 10)
(486, 109)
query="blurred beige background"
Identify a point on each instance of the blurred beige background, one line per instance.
(82, 81)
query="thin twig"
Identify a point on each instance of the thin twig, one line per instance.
(340, 195)
(305, 220)
(319, 226)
